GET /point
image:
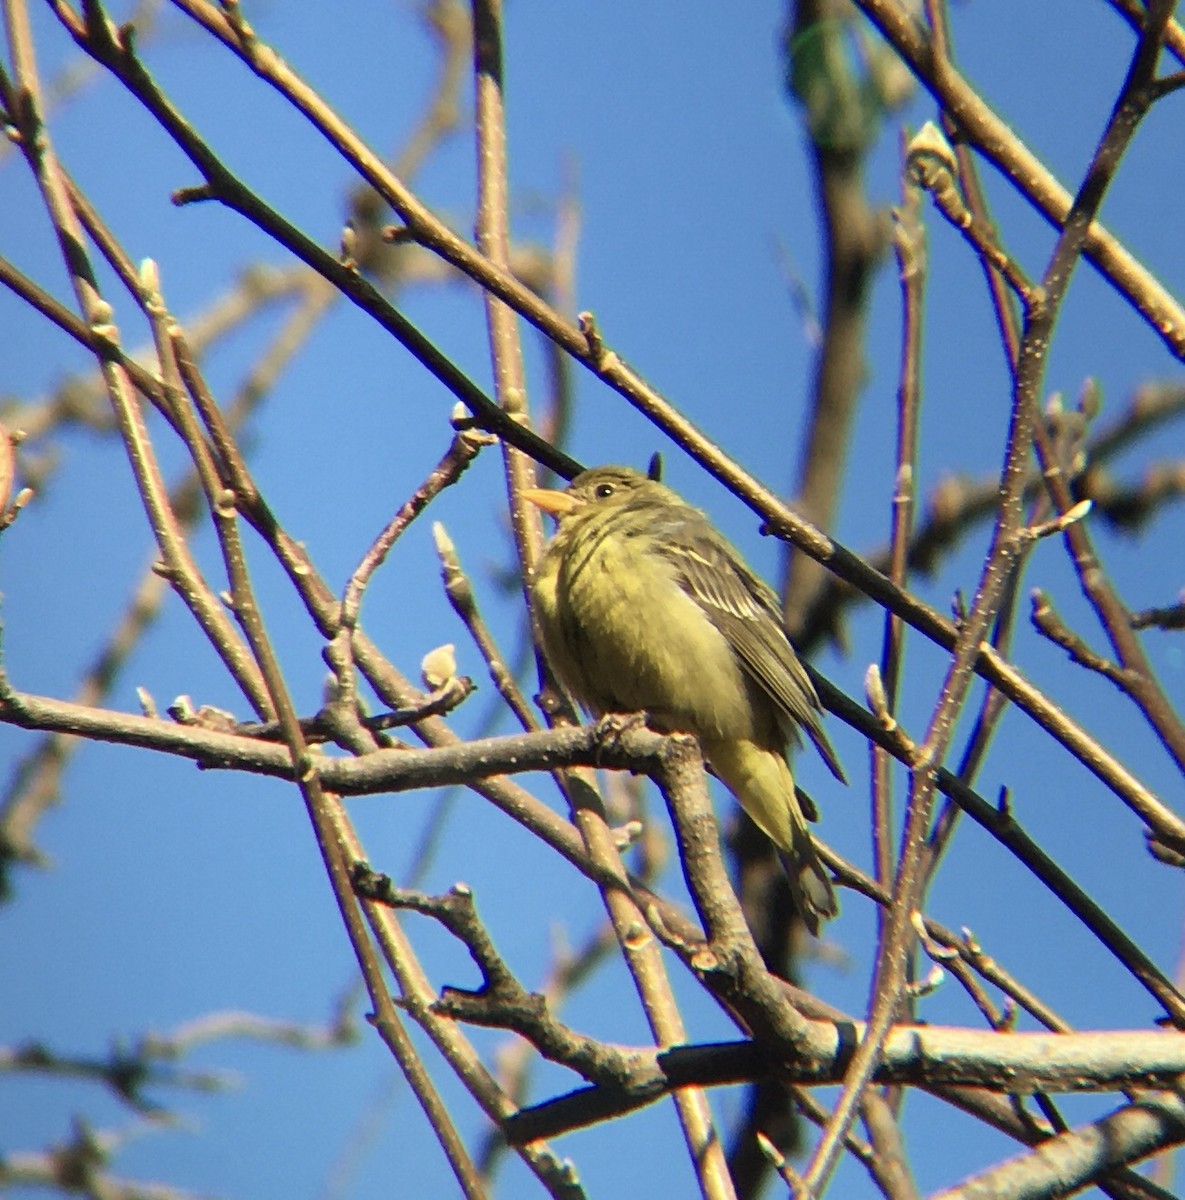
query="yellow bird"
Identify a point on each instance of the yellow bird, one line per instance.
(645, 607)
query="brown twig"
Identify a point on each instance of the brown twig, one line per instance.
(935, 166)
(463, 449)
(910, 250)
(1075, 1159)
(609, 366)
(978, 124)
(35, 779)
(956, 505)
(178, 565)
(417, 999)
(919, 1054)
(1047, 622)
(82, 1160)
(1039, 321)
(840, 119)
(460, 594)
(1172, 617)
(493, 240)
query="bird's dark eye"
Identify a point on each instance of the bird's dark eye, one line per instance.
(604, 490)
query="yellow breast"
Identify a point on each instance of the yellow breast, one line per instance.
(623, 636)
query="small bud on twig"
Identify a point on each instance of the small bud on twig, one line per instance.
(930, 159)
(439, 666)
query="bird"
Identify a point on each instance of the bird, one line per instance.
(644, 606)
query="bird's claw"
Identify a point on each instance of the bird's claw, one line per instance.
(612, 727)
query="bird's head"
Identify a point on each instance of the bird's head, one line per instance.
(599, 489)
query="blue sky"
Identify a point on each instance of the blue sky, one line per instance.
(174, 893)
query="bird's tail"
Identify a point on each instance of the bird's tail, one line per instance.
(810, 886)
(761, 780)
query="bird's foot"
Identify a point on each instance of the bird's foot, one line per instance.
(612, 727)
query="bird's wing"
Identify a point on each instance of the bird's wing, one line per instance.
(746, 612)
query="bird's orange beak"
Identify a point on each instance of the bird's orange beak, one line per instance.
(558, 504)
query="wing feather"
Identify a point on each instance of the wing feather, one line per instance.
(746, 611)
